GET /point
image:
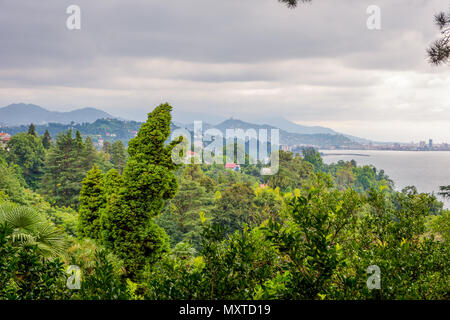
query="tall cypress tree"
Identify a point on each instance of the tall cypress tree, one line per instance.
(148, 180)
(112, 182)
(92, 201)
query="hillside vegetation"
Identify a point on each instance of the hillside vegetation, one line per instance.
(140, 227)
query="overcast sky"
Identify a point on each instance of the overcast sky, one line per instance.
(252, 59)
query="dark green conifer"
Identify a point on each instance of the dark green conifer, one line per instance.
(148, 180)
(46, 140)
(92, 201)
(32, 130)
(119, 156)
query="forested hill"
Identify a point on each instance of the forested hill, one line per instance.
(100, 125)
(113, 129)
(110, 129)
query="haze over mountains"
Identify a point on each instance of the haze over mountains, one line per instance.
(23, 114)
(16, 115)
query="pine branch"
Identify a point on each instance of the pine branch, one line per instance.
(291, 4)
(439, 51)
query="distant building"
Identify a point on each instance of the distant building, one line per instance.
(285, 148)
(430, 143)
(191, 154)
(4, 138)
(233, 166)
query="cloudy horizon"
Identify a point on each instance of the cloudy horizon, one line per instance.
(316, 65)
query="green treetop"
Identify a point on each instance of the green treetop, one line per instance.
(118, 156)
(32, 130)
(92, 201)
(46, 140)
(107, 147)
(28, 153)
(148, 180)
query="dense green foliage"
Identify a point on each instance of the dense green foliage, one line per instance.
(92, 201)
(110, 129)
(46, 140)
(25, 274)
(27, 152)
(119, 156)
(140, 227)
(66, 164)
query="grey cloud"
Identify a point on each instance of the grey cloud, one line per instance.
(316, 63)
(202, 30)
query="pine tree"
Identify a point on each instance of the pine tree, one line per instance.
(32, 130)
(67, 163)
(46, 140)
(292, 3)
(148, 180)
(56, 162)
(92, 201)
(78, 144)
(89, 154)
(119, 156)
(65, 169)
(107, 147)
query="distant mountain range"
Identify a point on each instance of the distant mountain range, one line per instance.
(286, 138)
(23, 114)
(289, 126)
(91, 121)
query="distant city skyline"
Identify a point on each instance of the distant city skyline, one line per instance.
(315, 65)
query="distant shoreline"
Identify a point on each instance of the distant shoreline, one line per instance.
(400, 150)
(345, 154)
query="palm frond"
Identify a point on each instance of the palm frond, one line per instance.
(50, 240)
(30, 228)
(19, 217)
(18, 236)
